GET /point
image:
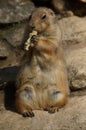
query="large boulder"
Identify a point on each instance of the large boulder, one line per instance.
(73, 30)
(74, 42)
(15, 11)
(76, 63)
(11, 41)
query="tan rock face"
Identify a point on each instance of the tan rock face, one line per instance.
(76, 62)
(73, 30)
(74, 41)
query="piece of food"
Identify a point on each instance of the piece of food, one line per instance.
(28, 42)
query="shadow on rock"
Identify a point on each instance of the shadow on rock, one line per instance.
(9, 99)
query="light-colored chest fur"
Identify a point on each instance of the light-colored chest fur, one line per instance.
(40, 77)
(45, 77)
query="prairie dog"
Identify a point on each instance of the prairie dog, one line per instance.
(42, 82)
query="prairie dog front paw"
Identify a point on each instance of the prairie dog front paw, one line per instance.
(34, 40)
(30, 40)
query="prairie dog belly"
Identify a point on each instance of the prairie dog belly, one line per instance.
(45, 78)
(37, 85)
(40, 78)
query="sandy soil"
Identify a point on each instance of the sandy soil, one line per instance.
(71, 117)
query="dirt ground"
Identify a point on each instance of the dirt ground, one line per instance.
(71, 117)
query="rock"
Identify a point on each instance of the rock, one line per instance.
(16, 35)
(73, 30)
(71, 117)
(15, 11)
(10, 56)
(74, 42)
(4, 50)
(83, 1)
(76, 63)
(7, 57)
(8, 75)
(2, 101)
(11, 45)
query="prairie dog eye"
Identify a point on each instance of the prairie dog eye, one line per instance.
(43, 17)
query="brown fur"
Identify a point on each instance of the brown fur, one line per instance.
(42, 83)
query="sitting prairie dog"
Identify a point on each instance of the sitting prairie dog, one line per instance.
(42, 82)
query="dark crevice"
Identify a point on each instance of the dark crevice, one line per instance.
(9, 98)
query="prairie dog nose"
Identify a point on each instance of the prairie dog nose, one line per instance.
(32, 26)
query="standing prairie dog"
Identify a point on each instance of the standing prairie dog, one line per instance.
(42, 82)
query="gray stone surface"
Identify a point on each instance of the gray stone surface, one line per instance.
(11, 42)
(73, 30)
(15, 10)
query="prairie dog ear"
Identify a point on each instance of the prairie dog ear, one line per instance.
(52, 12)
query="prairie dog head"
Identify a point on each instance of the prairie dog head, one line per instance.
(42, 19)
